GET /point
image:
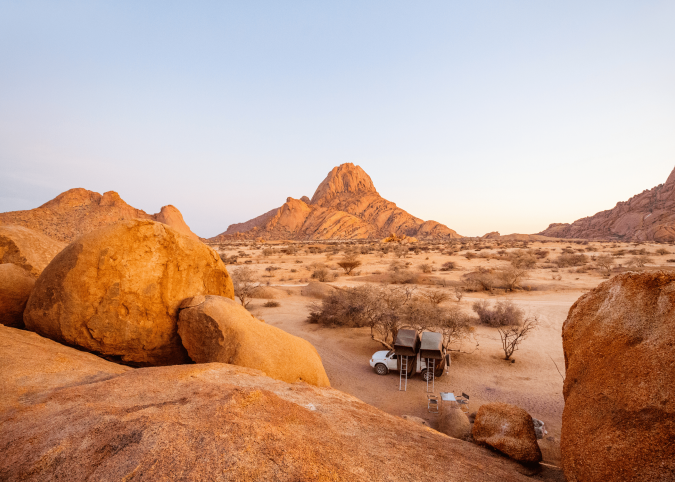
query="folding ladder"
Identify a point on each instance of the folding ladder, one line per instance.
(430, 374)
(403, 374)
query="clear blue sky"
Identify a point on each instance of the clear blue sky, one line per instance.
(500, 115)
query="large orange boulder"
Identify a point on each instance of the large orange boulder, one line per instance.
(16, 285)
(28, 249)
(217, 329)
(116, 291)
(509, 429)
(619, 417)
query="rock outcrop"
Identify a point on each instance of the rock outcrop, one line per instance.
(66, 415)
(648, 216)
(217, 329)
(619, 416)
(28, 249)
(346, 205)
(78, 211)
(508, 429)
(16, 285)
(116, 291)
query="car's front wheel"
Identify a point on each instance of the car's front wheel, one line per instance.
(381, 369)
(426, 376)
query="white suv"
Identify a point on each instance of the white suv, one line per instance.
(383, 361)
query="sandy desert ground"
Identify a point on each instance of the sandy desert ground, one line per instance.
(533, 382)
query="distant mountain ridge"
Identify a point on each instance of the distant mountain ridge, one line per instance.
(78, 211)
(346, 205)
(648, 216)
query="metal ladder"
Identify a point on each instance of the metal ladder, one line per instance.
(430, 374)
(403, 374)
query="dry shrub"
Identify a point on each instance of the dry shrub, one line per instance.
(567, 260)
(436, 297)
(320, 272)
(406, 277)
(482, 279)
(523, 259)
(639, 261)
(425, 268)
(448, 266)
(271, 304)
(502, 313)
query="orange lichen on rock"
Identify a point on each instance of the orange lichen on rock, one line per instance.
(116, 291)
(619, 418)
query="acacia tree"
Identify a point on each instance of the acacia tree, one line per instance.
(605, 262)
(513, 335)
(349, 263)
(245, 283)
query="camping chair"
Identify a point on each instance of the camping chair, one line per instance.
(432, 403)
(463, 402)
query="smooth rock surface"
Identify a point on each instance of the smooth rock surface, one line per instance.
(116, 291)
(221, 330)
(508, 429)
(32, 368)
(16, 285)
(31, 250)
(619, 416)
(222, 422)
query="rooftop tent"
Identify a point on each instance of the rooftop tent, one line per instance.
(407, 343)
(431, 345)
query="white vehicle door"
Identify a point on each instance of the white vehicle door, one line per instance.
(392, 362)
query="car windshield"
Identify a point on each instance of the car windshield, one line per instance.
(389, 353)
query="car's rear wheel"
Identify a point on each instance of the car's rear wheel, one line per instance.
(426, 375)
(381, 369)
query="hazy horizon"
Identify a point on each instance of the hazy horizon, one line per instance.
(484, 117)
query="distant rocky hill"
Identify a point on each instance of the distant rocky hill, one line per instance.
(78, 211)
(648, 216)
(346, 205)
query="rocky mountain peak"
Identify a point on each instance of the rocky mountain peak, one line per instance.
(345, 178)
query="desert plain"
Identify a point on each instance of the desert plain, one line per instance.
(532, 379)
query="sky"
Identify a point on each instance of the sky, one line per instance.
(483, 115)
